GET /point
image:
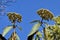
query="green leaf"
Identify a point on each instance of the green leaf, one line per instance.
(35, 21)
(33, 39)
(17, 37)
(37, 37)
(20, 28)
(6, 30)
(35, 28)
(39, 34)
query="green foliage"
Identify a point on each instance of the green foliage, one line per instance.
(6, 30)
(53, 32)
(39, 34)
(37, 37)
(57, 19)
(35, 31)
(50, 32)
(13, 17)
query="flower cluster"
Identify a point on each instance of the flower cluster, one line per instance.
(14, 17)
(45, 14)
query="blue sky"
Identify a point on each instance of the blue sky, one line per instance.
(28, 9)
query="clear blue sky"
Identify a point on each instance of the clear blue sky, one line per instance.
(28, 9)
